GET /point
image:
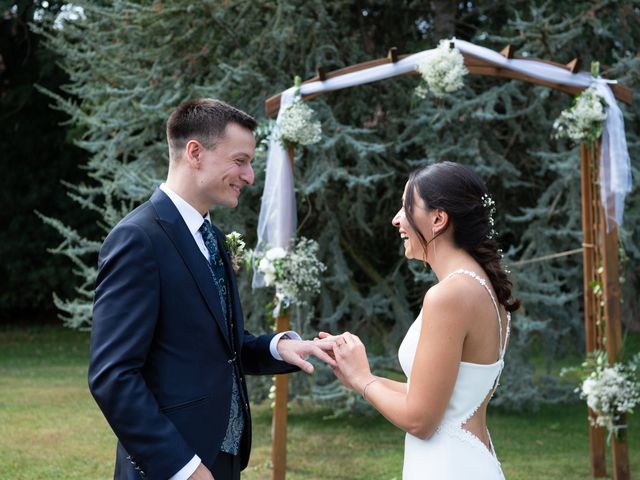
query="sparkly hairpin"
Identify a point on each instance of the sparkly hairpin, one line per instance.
(490, 205)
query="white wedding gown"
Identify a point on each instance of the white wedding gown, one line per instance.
(453, 453)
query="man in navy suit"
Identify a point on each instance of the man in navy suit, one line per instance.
(169, 351)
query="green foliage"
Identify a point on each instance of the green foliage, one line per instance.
(35, 156)
(131, 63)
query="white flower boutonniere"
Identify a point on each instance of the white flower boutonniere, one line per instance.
(236, 248)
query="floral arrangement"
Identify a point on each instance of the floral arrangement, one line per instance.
(443, 72)
(295, 274)
(298, 124)
(584, 120)
(610, 390)
(236, 248)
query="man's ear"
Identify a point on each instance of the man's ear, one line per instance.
(193, 152)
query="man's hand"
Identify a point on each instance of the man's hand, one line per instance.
(296, 351)
(201, 473)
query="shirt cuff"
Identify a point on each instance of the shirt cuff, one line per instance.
(185, 472)
(273, 346)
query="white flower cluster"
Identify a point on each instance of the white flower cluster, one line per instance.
(236, 248)
(295, 274)
(272, 265)
(442, 72)
(584, 119)
(611, 391)
(299, 126)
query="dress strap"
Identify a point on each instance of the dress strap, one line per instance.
(503, 345)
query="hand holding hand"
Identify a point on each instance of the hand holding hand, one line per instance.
(296, 351)
(201, 473)
(324, 337)
(351, 356)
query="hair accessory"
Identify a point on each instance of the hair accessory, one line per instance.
(490, 205)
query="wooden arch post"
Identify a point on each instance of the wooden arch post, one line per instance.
(281, 402)
(601, 292)
(279, 423)
(600, 256)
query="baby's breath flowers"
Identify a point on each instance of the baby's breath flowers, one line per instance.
(298, 124)
(295, 274)
(443, 72)
(610, 391)
(584, 120)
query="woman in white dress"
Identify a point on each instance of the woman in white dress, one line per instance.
(453, 353)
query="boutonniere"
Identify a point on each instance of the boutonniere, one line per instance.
(235, 246)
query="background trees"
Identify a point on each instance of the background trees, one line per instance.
(36, 153)
(130, 63)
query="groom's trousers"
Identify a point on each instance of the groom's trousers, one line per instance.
(226, 467)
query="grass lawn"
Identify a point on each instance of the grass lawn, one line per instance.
(50, 428)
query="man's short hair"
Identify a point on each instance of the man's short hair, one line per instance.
(204, 120)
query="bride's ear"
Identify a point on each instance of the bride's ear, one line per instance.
(440, 221)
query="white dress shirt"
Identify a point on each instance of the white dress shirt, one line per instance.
(193, 219)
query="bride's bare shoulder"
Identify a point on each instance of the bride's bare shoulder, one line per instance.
(455, 298)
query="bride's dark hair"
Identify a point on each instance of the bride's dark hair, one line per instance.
(459, 191)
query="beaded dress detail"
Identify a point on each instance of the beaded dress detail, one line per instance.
(452, 452)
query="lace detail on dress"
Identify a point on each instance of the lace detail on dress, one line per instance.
(467, 437)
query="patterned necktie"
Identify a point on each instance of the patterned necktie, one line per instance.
(235, 427)
(215, 263)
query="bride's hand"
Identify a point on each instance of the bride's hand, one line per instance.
(324, 337)
(353, 365)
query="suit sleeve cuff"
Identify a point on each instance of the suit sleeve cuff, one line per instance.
(273, 346)
(185, 472)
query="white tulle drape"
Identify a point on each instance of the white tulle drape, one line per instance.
(615, 167)
(278, 217)
(277, 221)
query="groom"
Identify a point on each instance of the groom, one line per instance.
(169, 352)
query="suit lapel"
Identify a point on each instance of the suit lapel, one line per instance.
(172, 223)
(236, 311)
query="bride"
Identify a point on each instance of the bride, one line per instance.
(453, 353)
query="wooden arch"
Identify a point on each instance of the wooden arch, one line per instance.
(599, 252)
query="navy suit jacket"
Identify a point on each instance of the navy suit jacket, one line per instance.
(161, 362)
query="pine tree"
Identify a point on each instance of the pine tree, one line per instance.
(133, 62)
(34, 155)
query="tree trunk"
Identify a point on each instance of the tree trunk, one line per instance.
(444, 19)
